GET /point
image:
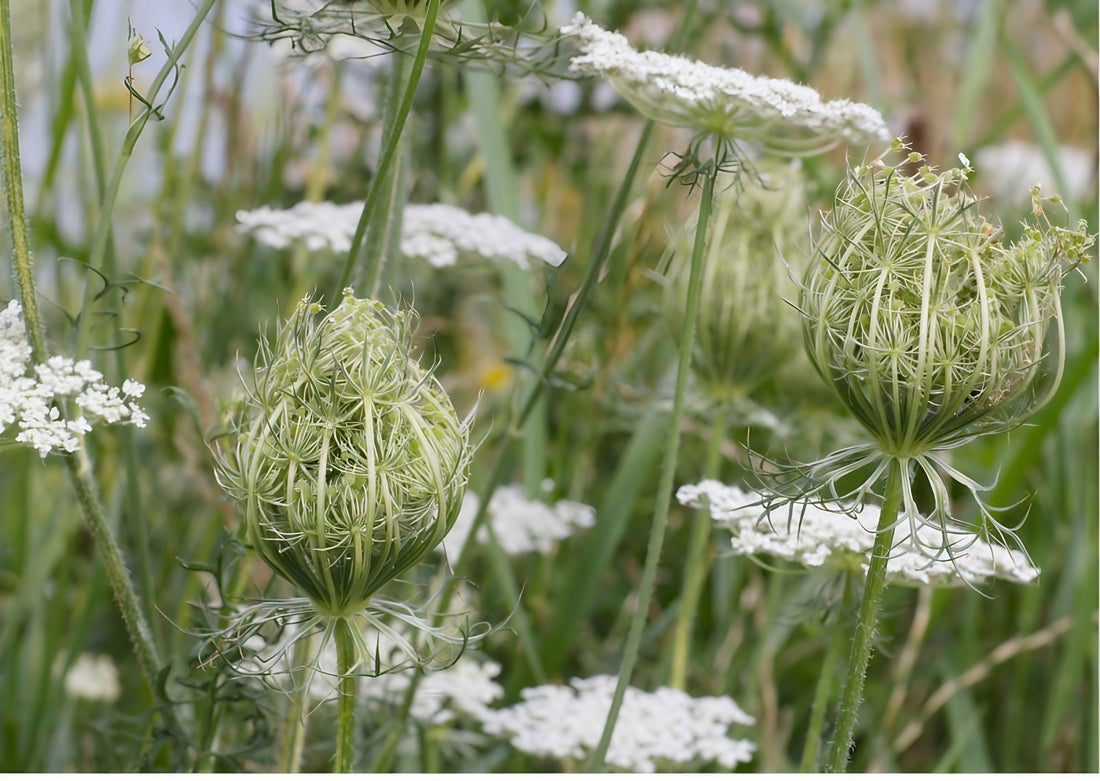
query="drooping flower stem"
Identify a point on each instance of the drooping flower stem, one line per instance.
(698, 562)
(373, 216)
(668, 469)
(345, 702)
(860, 655)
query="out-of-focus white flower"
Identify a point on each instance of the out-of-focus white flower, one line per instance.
(667, 729)
(31, 403)
(815, 536)
(466, 688)
(438, 233)
(521, 525)
(93, 677)
(1007, 171)
(726, 102)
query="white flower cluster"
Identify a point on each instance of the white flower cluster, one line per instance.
(32, 402)
(438, 233)
(465, 688)
(520, 525)
(93, 677)
(817, 537)
(667, 729)
(725, 101)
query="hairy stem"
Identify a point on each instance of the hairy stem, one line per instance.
(345, 703)
(852, 694)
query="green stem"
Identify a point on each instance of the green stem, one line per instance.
(77, 464)
(875, 583)
(294, 726)
(381, 181)
(698, 561)
(100, 259)
(13, 177)
(668, 469)
(345, 702)
(125, 595)
(837, 644)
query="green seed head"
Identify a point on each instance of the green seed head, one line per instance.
(745, 329)
(350, 463)
(927, 325)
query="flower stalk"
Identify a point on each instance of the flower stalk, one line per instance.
(668, 469)
(345, 703)
(860, 656)
(374, 216)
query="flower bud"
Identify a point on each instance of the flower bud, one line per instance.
(745, 330)
(350, 463)
(928, 326)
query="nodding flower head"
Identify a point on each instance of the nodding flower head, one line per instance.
(928, 326)
(349, 463)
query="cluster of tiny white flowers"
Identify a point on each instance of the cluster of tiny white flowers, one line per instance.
(31, 402)
(688, 93)
(465, 688)
(520, 525)
(816, 536)
(664, 730)
(93, 677)
(437, 233)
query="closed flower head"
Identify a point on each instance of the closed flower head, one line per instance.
(350, 463)
(930, 328)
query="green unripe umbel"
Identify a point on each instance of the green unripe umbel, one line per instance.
(929, 328)
(350, 463)
(745, 328)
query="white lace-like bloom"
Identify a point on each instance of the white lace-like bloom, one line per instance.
(31, 403)
(93, 677)
(840, 541)
(727, 102)
(438, 233)
(466, 688)
(667, 729)
(521, 525)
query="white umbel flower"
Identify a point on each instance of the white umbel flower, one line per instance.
(438, 233)
(31, 404)
(728, 102)
(666, 729)
(520, 525)
(93, 677)
(464, 689)
(833, 539)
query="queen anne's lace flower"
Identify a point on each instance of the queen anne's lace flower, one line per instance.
(836, 540)
(727, 102)
(438, 233)
(465, 688)
(34, 404)
(520, 525)
(93, 677)
(667, 729)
